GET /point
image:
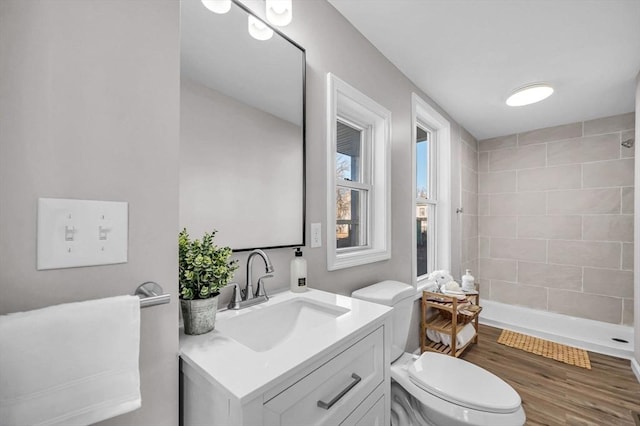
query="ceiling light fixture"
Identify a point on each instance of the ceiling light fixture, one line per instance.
(258, 29)
(279, 12)
(530, 94)
(217, 6)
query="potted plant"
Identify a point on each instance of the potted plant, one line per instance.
(204, 269)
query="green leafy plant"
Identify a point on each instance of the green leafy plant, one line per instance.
(203, 267)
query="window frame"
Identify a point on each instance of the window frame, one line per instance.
(348, 105)
(439, 229)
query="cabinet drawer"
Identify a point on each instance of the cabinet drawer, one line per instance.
(331, 392)
(375, 416)
(371, 412)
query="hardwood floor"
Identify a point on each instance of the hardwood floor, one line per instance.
(554, 393)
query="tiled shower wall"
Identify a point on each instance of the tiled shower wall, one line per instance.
(468, 203)
(555, 219)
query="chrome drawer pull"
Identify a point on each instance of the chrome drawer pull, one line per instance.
(356, 380)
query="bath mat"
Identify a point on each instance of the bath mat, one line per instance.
(534, 345)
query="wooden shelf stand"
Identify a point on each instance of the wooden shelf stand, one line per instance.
(449, 318)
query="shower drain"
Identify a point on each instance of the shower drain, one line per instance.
(617, 339)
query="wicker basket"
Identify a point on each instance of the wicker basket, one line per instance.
(463, 317)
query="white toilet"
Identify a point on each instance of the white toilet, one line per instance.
(437, 389)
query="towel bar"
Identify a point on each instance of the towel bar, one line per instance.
(151, 294)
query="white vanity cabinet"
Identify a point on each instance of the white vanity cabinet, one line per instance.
(332, 391)
(346, 383)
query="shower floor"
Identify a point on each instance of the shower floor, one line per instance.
(594, 336)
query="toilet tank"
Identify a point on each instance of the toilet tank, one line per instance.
(400, 297)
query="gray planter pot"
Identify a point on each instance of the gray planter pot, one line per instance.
(199, 315)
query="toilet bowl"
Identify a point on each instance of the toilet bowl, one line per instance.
(436, 389)
(446, 391)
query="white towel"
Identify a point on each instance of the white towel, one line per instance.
(462, 338)
(70, 364)
(445, 339)
(464, 335)
(433, 335)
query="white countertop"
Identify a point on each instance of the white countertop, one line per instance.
(246, 373)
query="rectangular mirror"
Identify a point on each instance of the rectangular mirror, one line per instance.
(242, 138)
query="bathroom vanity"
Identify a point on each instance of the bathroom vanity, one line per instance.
(311, 358)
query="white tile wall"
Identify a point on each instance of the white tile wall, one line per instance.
(549, 275)
(522, 203)
(584, 201)
(496, 182)
(550, 134)
(532, 250)
(584, 149)
(525, 157)
(550, 178)
(471, 203)
(497, 226)
(585, 305)
(555, 219)
(526, 295)
(547, 227)
(609, 282)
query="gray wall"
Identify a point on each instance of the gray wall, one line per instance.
(556, 219)
(89, 107)
(90, 98)
(333, 45)
(636, 253)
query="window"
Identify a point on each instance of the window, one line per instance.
(358, 177)
(352, 186)
(431, 189)
(426, 199)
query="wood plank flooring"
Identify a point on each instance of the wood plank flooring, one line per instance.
(554, 393)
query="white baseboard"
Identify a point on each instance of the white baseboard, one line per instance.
(635, 366)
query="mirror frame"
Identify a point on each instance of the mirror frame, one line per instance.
(303, 141)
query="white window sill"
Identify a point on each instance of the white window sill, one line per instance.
(358, 258)
(420, 287)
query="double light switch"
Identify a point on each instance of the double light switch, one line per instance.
(75, 233)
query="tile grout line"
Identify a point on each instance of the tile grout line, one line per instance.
(620, 145)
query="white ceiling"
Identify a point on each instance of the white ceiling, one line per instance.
(469, 55)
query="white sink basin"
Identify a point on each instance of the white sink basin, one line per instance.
(265, 327)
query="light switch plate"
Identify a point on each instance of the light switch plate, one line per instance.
(316, 235)
(74, 233)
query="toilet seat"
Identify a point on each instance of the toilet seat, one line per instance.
(438, 411)
(462, 383)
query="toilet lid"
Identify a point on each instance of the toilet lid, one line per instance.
(463, 383)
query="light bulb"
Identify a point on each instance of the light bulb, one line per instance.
(258, 29)
(279, 12)
(530, 94)
(217, 6)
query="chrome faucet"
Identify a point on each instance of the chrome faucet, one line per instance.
(248, 291)
(246, 297)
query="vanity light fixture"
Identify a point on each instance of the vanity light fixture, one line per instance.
(217, 6)
(530, 94)
(258, 29)
(279, 12)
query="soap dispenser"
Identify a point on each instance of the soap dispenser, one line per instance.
(298, 273)
(468, 282)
